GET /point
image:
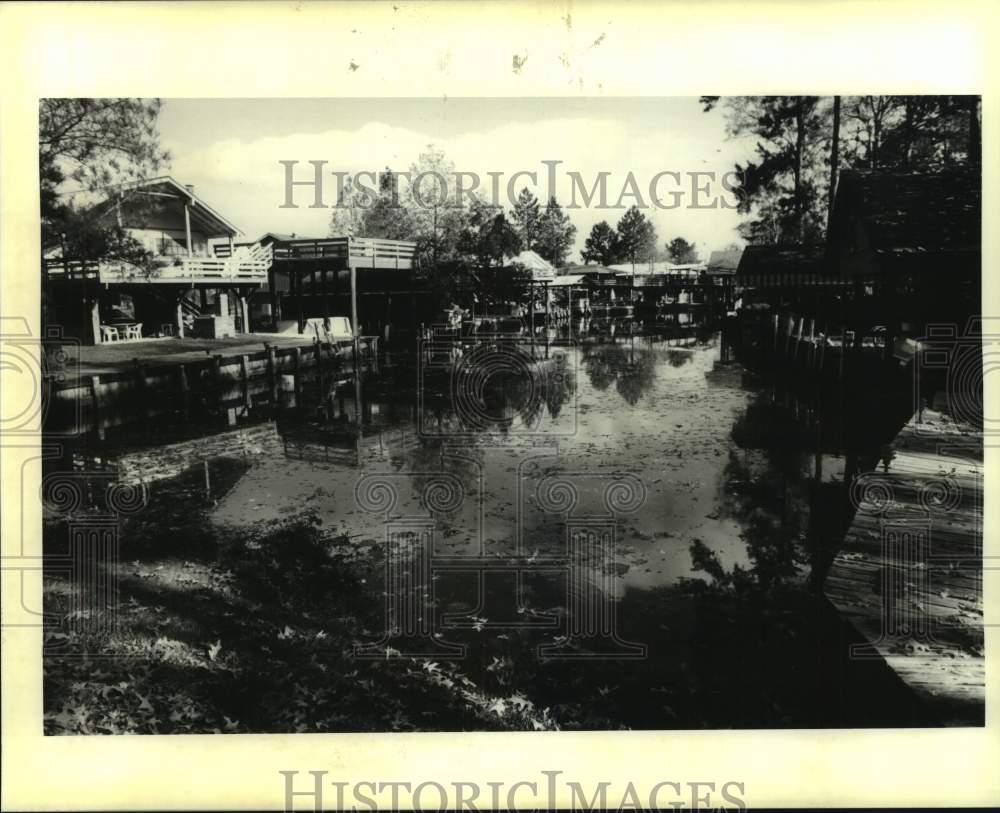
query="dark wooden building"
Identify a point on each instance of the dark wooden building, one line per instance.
(910, 243)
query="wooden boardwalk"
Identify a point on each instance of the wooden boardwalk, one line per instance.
(909, 574)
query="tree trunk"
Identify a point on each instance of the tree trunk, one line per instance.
(834, 159)
(975, 134)
(908, 133)
(876, 131)
(800, 137)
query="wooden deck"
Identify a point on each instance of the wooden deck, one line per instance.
(909, 574)
(246, 266)
(341, 252)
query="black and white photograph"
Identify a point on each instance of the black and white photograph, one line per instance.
(414, 405)
(471, 414)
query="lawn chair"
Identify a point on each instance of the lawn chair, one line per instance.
(109, 333)
(134, 331)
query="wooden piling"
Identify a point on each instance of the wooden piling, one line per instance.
(245, 378)
(297, 357)
(185, 390)
(95, 401)
(272, 372)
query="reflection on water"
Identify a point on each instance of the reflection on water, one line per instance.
(740, 499)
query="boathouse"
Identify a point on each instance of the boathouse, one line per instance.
(910, 242)
(373, 281)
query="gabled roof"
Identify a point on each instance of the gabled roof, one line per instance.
(202, 215)
(540, 267)
(533, 260)
(725, 261)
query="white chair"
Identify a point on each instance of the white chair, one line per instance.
(134, 331)
(109, 334)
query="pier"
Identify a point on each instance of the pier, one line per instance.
(908, 575)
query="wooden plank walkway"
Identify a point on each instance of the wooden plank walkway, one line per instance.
(909, 574)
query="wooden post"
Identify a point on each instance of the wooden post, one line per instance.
(272, 373)
(297, 356)
(355, 327)
(208, 481)
(788, 333)
(298, 300)
(245, 378)
(185, 388)
(217, 377)
(244, 313)
(95, 402)
(180, 316)
(798, 337)
(94, 307)
(187, 228)
(326, 299)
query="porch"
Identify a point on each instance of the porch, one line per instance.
(371, 281)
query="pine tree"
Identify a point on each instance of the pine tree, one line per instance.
(555, 234)
(680, 251)
(526, 217)
(601, 246)
(636, 237)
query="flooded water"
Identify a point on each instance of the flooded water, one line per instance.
(623, 525)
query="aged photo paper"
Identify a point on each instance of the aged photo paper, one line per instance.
(501, 406)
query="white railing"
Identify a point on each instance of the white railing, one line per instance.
(248, 263)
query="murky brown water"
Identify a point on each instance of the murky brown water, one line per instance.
(712, 501)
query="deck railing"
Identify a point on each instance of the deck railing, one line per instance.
(357, 251)
(247, 264)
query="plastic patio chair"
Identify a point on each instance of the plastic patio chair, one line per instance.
(134, 331)
(109, 333)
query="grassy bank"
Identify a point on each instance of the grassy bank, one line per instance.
(251, 633)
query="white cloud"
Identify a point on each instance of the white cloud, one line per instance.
(244, 180)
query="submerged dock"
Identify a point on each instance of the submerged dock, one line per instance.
(909, 574)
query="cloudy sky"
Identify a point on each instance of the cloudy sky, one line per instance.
(231, 149)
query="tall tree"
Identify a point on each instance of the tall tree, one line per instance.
(636, 237)
(680, 251)
(920, 133)
(381, 215)
(94, 144)
(491, 239)
(834, 158)
(871, 117)
(425, 210)
(432, 198)
(489, 236)
(782, 185)
(526, 216)
(975, 132)
(555, 234)
(601, 246)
